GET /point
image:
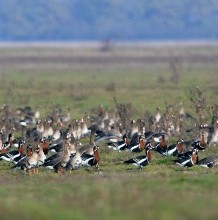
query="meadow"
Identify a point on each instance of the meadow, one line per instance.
(80, 79)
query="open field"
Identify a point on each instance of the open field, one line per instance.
(83, 78)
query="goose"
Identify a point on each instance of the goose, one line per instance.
(200, 144)
(84, 128)
(119, 145)
(58, 161)
(174, 149)
(148, 135)
(208, 162)
(138, 146)
(91, 160)
(75, 161)
(153, 143)
(161, 147)
(142, 160)
(21, 162)
(56, 145)
(31, 163)
(15, 155)
(188, 160)
(41, 155)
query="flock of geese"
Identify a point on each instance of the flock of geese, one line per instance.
(59, 143)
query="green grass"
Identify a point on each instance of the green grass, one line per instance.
(161, 190)
(158, 191)
(84, 85)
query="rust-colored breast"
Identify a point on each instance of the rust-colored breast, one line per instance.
(127, 141)
(194, 158)
(142, 144)
(44, 146)
(96, 156)
(21, 149)
(203, 142)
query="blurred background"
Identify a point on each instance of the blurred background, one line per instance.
(116, 20)
(107, 48)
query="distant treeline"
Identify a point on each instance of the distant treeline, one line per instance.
(28, 20)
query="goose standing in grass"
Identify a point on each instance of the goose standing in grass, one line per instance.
(142, 160)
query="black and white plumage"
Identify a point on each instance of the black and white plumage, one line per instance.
(8, 143)
(188, 159)
(153, 143)
(184, 155)
(209, 162)
(91, 160)
(137, 146)
(134, 137)
(22, 161)
(173, 149)
(200, 144)
(140, 161)
(185, 146)
(101, 136)
(15, 155)
(149, 135)
(56, 146)
(161, 147)
(119, 145)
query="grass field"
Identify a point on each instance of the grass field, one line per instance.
(82, 79)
